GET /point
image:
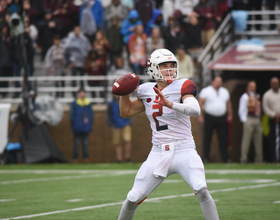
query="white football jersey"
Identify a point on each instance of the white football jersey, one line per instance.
(167, 125)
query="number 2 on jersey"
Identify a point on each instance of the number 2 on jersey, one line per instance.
(157, 114)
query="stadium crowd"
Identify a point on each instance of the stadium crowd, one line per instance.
(86, 36)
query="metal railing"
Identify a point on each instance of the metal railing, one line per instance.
(47, 90)
(225, 37)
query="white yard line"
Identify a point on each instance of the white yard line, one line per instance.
(6, 200)
(133, 171)
(147, 200)
(106, 174)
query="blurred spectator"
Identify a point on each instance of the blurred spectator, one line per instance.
(94, 67)
(121, 130)
(39, 8)
(46, 31)
(167, 10)
(88, 25)
(82, 118)
(222, 9)
(119, 68)
(270, 5)
(145, 9)
(33, 33)
(19, 57)
(128, 27)
(156, 20)
(31, 30)
(186, 67)
(271, 107)
(6, 61)
(63, 12)
(154, 42)
(214, 100)
(76, 50)
(193, 24)
(102, 46)
(174, 37)
(55, 63)
(137, 49)
(14, 6)
(208, 10)
(114, 36)
(254, 5)
(115, 10)
(185, 6)
(249, 112)
(29, 11)
(128, 3)
(129, 24)
(97, 12)
(3, 11)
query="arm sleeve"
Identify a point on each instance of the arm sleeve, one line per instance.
(189, 107)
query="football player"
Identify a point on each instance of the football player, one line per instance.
(168, 103)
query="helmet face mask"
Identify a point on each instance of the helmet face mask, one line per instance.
(166, 74)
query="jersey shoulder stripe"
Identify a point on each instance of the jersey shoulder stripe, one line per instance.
(188, 88)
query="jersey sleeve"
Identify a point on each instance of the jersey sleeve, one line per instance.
(188, 88)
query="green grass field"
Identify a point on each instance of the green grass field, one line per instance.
(96, 191)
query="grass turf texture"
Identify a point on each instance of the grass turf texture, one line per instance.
(35, 189)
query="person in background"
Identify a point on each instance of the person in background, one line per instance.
(271, 107)
(137, 49)
(186, 67)
(270, 5)
(174, 37)
(3, 12)
(145, 9)
(193, 25)
(87, 23)
(249, 112)
(55, 63)
(115, 10)
(82, 118)
(128, 27)
(114, 37)
(63, 12)
(121, 128)
(102, 46)
(48, 28)
(94, 66)
(214, 100)
(208, 10)
(154, 42)
(76, 50)
(97, 12)
(185, 6)
(155, 21)
(6, 59)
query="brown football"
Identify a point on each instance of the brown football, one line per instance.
(126, 84)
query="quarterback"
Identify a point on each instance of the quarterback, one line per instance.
(168, 104)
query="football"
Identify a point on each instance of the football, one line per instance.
(126, 84)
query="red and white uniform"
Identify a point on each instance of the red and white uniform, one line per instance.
(173, 150)
(167, 125)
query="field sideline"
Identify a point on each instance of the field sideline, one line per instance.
(96, 191)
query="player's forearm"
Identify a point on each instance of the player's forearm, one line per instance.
(189, 107)
(125, 105)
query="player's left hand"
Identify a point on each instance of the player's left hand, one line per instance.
(162, 99)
